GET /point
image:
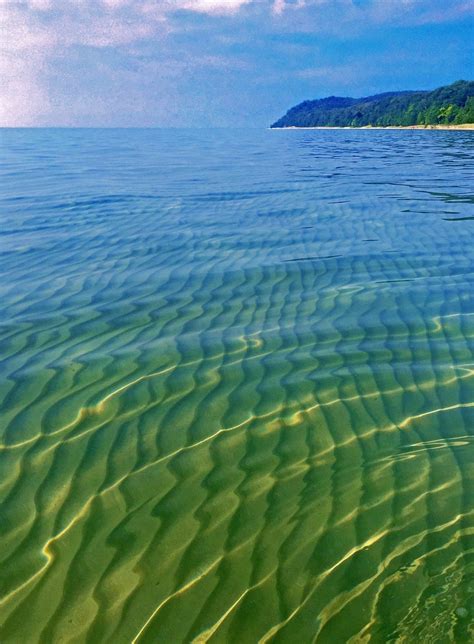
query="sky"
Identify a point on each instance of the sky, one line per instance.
(218, 63)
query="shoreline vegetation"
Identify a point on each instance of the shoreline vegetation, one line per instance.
(448, 107)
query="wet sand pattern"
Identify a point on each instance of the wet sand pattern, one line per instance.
(237, 387)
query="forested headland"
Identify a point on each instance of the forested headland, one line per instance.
(451, 104)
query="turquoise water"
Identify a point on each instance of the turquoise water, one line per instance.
(236, 386)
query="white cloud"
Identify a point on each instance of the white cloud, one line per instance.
(213, 6)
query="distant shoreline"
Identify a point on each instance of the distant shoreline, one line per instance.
(448, 126)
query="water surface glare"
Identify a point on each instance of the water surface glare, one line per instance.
(236, 386)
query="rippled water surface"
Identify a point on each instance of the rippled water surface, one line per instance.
(237, 386)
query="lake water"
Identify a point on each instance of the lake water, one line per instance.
(237, 386)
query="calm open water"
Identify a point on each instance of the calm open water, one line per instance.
(237, 386)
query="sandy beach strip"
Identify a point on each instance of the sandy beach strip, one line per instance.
(448, 126)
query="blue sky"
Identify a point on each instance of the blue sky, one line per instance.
(218, 62)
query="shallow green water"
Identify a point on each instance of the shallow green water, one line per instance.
(237, 386)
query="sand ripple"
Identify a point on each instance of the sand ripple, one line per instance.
(237, 400)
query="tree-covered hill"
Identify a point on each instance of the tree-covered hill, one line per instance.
(449, 104)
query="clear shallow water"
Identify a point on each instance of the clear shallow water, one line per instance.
(237, 386)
